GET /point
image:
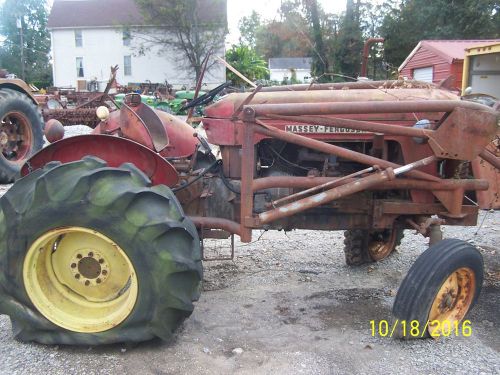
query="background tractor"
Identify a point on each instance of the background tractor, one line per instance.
(100, 239)
(21, 127)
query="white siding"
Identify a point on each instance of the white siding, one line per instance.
(303, 75)
(103, 48)
(423, 74)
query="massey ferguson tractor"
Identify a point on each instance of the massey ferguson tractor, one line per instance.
(100, 238)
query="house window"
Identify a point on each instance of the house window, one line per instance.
(78, 38)
(79, 67)
(127, 65)
(126, 37)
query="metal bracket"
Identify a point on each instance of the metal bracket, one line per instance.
(207, 259)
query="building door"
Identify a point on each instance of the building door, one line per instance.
(423, 74)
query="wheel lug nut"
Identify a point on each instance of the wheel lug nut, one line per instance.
(73, 265)
(98, 281)
(91, 254)
(87, 283)
(101, 261)
(104, 272)
(79, 256)
(77, 276)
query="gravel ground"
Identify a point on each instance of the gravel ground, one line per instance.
(289, 304)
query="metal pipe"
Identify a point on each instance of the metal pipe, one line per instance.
(398, 184)
(328, 184)
(366, 50)
(491, 158)
(388, 84)
(316, 200)
(350, 188)
(216, 223)
(333, 108)
(335, 150)
(369, 126)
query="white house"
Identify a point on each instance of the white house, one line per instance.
(283, 68)
(90, 36)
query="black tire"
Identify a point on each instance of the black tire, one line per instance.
(357, 245)
(14, 101)
(432, 268)
(146, 222)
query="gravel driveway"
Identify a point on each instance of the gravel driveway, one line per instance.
(288, 304)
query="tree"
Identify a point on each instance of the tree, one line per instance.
(410, 21)
(245, 60)
(248, 27)
(31, 16)
(286, 37)
(320, 60)
(189, 28)
(350, 43)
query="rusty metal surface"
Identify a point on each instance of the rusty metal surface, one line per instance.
(398, 184)
(368, 126)
(72, 116)
(114, 150)
(388, 84)
(325, 197)
(349, 188)
(464, 133)
(335, 150)
(216, 223)
(332, 108)
(366, 51)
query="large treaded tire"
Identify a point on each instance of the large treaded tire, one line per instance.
(432, 268)
(356, 242)
(146, 222)
(14, 101)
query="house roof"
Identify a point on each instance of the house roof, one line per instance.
(102, 13)
(449, 50)
(290, 63)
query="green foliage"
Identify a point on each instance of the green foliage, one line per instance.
(248, 27)
(245, 60)
(36, 40)
(350, 41)
(410, 21)
(285, 37)
(190, 28)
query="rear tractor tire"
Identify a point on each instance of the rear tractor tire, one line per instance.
(93, 255)
(439, 290)
(363, 246)
(21, 132)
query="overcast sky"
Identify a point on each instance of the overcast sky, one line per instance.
(266, 8)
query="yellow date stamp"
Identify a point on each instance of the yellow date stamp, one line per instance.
(414, 328)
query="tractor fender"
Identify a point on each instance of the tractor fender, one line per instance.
(114, 150)
(19, 86)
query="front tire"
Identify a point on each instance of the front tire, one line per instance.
(94, 255)
(440, 288)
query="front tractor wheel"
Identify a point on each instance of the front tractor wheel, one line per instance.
(439, 290)
(93, 255)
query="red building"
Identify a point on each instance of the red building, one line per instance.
(435, 60)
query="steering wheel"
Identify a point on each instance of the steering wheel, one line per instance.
(207, 97)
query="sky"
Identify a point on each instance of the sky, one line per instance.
(268, 9)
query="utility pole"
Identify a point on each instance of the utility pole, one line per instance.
(19, 24)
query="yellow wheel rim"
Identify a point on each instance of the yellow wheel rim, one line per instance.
(452, 301)
(80, 279)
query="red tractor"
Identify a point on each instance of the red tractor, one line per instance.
(100, 239)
